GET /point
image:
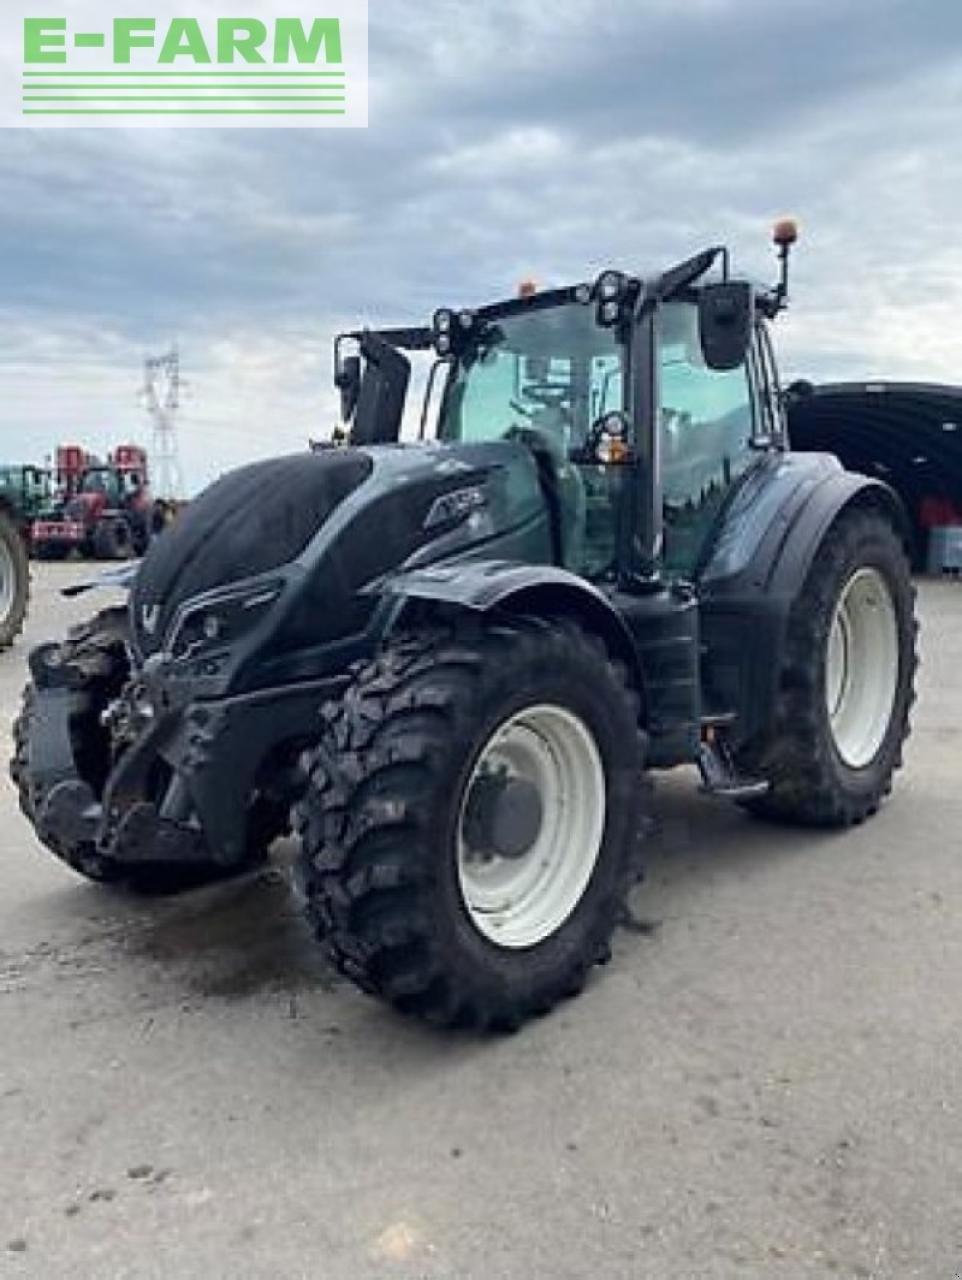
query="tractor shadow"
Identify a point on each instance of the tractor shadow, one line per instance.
(247, 939)
(695, 840)
(236, 940)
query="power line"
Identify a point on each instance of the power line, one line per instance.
(162, 387)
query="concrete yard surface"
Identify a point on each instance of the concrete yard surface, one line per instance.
(764, 1083)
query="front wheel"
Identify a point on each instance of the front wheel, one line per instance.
(846, 685)
(470, 822)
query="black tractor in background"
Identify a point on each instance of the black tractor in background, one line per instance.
(449, 663)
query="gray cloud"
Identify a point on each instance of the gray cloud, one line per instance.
(505, 139)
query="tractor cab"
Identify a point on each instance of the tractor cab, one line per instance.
(102, 481)
(543, 373)
(643, 403)
(25, 490)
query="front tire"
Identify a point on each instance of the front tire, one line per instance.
(469, 826)
(847, 681)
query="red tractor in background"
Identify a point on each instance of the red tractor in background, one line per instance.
(103, 510)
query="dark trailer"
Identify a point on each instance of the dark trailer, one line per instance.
(908, 434)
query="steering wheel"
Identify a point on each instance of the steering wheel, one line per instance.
(549, 394)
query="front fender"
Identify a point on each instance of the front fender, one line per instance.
(481, 586)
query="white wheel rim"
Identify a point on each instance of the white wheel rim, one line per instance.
(520, 901)
(8, 581)
(862, 667)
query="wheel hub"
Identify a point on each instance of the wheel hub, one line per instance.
(531, 825)
(503, 816)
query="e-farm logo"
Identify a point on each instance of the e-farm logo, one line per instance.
(92, 66)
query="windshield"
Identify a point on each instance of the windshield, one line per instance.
(101, 482)
(35, 483)
(551, 368)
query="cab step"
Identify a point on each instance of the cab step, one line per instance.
(719, 777)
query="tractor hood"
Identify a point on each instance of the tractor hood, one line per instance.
(85, 506)
(348, 519)
(248, 522)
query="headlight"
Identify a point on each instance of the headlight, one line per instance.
(221, 620)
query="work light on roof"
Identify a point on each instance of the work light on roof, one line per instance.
(611, 286)
(443, 329)
(610, 290)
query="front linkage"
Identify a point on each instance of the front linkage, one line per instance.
(116, 775)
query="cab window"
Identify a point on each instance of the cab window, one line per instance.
(706, 423)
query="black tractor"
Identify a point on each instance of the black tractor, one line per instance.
(450, 663)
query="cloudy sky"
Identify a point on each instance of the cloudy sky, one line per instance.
(507, 138)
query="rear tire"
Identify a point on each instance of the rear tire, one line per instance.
(14, 581)
(393, 790)
(847, 681)
(50, 551)
(112, 539)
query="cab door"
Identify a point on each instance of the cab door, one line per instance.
(706, 424)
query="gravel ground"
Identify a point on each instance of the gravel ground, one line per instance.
(764, 1083)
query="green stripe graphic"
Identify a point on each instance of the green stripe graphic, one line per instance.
(182, 97)
(186, 111)
(301, 87)
(212, 88)
(183, 73)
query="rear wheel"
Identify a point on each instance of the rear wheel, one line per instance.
(847, 680)
(14, 581)
(50, 551)
(112, 539)
(470, 822)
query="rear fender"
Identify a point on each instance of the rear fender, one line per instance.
(761, 559)
(777, 521)
(826, 504)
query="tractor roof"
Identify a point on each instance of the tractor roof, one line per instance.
(670, 283)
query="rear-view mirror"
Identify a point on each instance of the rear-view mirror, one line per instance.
(382, 392)
(347, 379)
(726, 313)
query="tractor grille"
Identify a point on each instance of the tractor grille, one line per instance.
(249, 522)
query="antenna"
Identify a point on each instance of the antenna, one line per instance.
(162, 384)
(784, 235)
